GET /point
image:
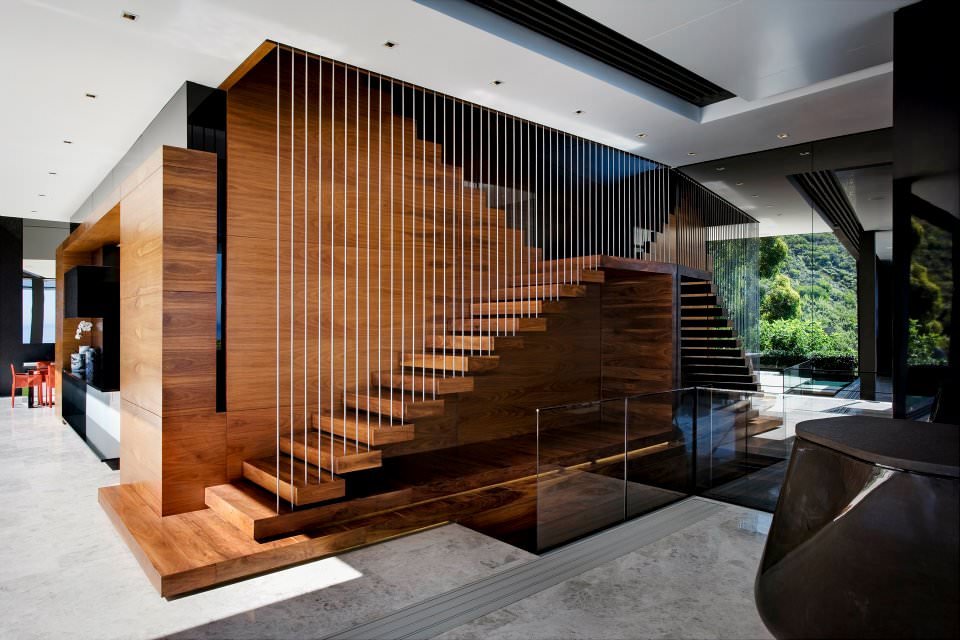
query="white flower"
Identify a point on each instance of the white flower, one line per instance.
(83, 327)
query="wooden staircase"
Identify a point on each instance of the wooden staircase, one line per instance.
(711, 353)
(385, 411)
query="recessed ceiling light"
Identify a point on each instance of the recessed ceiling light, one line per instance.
(52, 173)
(497, 83)
(129, 15)
(779, 215)
(641, 135)
(769, 206)
(804, 153)
(720, 169)
(42, 195)
(389, 44)
(691, 153)
(33, 211)
(876, 197)
(739, 184)
(783, 135)
(92, 96)
(755, 195)
(578, 111)
(68, 142)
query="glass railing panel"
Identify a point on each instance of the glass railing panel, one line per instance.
(660, 449)
(580, 470)
(743, 445)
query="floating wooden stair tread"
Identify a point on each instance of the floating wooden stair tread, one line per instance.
(441, 362)
(503, 308)
(501, 325)
(402, 406)
(263, 471)
(346, 456)
(532, 292)
(365, 429)
(413, 382)
(458, 342)
(574, 276)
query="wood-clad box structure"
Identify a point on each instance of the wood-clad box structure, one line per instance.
(408, 279)
(172, 439)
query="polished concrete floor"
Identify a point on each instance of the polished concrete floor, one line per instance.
(65, 573)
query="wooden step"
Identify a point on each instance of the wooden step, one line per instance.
(458, 342)
(733, 386)
(701, 311)
(418, 383)
(575, 276)
(697, 323)
(441, 362)
(402, 406)
(696, 286)
(538, 292)
(346, 456)
(505, 308)
(710, 343)
(363, 428)
(716, 332)
(263, 471)
(762, 424)
(717, 368)
(707, 360)
(720, 378)
(691, 299)
(495, 325)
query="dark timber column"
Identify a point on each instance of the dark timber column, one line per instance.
(926, 134)
(867, 314)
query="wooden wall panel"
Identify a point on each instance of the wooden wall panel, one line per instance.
(173, 440)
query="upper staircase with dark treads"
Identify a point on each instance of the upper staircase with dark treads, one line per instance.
(711, 352)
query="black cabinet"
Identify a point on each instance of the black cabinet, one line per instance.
(91, 292)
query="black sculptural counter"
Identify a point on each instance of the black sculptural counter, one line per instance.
(864, 541)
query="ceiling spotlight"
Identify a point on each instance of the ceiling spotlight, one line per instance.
(42, 195)
(497, 83)
(783, 136)
(739, 184)
(129, 15)
(876, 197)
(51, 173)
(92, 96)
(691, 153)
(578, 111)
(68, 142)
(804, 153)
(33, 211)
(641, 135)
(720, 169)
(755, 195)
(389, 44)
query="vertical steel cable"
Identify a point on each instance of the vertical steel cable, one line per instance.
(433, 248)
(513, 216)
(277, 287)
(496, 183)
(333, 256)
(367, 295)
(306, 234)
(444, 252)
(346, 112)
(356, 264)
(403, 248)
(292, 252)
(486, 210)
(423, 252)
(468, 318)
(393, 282)
(463, 211)
(320, 267)
(379, 254)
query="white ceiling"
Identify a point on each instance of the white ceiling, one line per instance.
(52, 52)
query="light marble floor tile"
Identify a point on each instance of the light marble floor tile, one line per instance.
(695, 583)
(65, 572)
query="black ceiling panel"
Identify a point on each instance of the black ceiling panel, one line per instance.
(559, 22)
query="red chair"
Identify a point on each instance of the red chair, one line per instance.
(43, 369)
(51, 383)
(23, 381)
